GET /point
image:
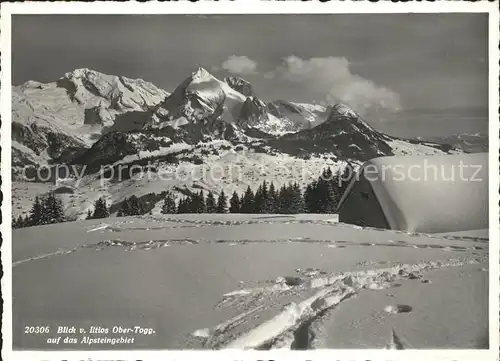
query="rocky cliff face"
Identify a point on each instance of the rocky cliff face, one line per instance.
(240, 85)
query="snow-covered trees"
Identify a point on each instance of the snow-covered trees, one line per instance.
(44, 210)
(290, 199)
(247, 202)
(21, 222)
(52, 210)
(234, 203)
(183, 206)
(266, 199)
(36, 211)
(210, 204)
(131, 207)
(101, 209)
(168, 206)
(135, 206)
(222, 203)
(197, 203)
(321, 196)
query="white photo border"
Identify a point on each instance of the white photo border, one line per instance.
(251, 7)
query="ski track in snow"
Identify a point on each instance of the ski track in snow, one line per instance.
(47, 255)
(117, 227)
(158, 243)
(298, 325)
(277, 219)
(103, 226)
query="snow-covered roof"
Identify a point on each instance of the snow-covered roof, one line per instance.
(430, 194)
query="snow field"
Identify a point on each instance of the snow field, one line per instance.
(241, 281)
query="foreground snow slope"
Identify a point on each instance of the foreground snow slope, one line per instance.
(250, 281)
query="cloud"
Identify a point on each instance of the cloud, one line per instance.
(330, 80)
(239, 65)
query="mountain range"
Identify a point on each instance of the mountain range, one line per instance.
(90, 120)
(471, 143)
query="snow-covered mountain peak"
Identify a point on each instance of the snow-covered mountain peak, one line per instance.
(74, 110)
(344, 110)
(201, 75)
(82, 72)
(85, 85)
(200, 96)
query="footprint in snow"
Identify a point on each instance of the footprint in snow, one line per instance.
(396, 309)
(293, 281)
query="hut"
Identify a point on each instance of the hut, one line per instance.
(429, 194)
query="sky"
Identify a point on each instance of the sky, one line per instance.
(377, 63)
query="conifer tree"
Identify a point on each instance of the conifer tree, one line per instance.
(325, 192)
(20, 222)
(267, 199)
(124, 210)
(210, 204)
(168, 206)
(202, 208)
(222, 203)
(343, 178)
(234, 203)
(192, 203)
(247, 201)
(52, 210)
(36, 212)
(284, 200)
(100, 209)
(183, 206)
(272, 199)
(331, 192)
(186, 206)
(135, 206)
(311, 198)
(297, 201)
(58, 210)
(258, 200)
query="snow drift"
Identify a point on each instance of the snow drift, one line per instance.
(420, 194)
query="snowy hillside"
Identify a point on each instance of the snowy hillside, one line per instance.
(178, 167)
(301, 116)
